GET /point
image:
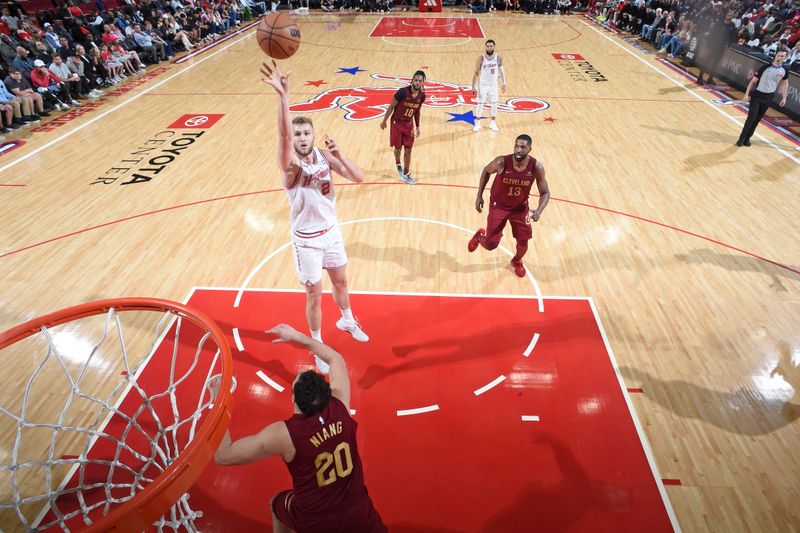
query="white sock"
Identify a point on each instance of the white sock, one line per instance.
(347, 314)
(494, 110)
(316, 335)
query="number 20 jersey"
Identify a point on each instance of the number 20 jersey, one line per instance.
(326, 470)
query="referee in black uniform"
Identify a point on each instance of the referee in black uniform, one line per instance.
(769, 79)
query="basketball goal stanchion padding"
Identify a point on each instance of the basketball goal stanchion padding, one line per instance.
(163, 501)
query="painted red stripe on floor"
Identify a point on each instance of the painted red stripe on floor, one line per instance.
(634, 389)
(400, 184)
(11, 185)
(671, 481)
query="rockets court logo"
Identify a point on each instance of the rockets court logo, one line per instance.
(367, 103)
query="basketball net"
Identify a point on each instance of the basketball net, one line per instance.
(145, 420)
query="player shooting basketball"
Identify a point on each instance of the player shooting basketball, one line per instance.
(317, 241)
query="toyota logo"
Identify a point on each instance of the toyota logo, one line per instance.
(196, 121)
(568, 56)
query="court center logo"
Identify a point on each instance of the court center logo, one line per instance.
(160, 150)
(368, 102)
(578, 68)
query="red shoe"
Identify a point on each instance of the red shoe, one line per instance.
(519, 268)
(476, 240)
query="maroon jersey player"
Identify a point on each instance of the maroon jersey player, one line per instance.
(404, 109)
(508, 200)
(318, 445)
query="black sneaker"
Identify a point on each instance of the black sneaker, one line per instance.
(5, 130)
(44, 113)
(746, 142)
(739, 142)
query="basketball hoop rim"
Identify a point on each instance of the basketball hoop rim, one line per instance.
(141, 511)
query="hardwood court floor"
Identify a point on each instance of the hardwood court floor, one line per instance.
(687, 244)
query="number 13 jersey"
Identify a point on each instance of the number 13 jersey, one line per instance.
(511, 187)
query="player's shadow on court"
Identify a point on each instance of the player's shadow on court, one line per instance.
(733, 410)
(775, 170)
(543, 502)
(421, 175)
(441, 351)
(740, 263)
(712, 159)
(266, 362)
(540, 505)
(675, 89)
(419, 263)
(707, 136)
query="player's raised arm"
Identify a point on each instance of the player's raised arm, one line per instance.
(287, 160)
(544, 192)
(340, 381)
(492, 168)
(341, 164)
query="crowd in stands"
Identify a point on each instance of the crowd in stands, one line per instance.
(62, 53)
(758, 28)
(543, 7)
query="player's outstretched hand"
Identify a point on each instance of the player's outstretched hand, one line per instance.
(272, 76)
(479, 204)
(285, 333)
(332, 147)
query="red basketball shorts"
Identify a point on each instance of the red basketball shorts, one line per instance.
(401, 134)
(519, 219)
(361, 517)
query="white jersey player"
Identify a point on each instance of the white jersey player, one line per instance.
(487, 69)
(316, 239)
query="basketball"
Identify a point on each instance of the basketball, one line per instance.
(278, 36)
